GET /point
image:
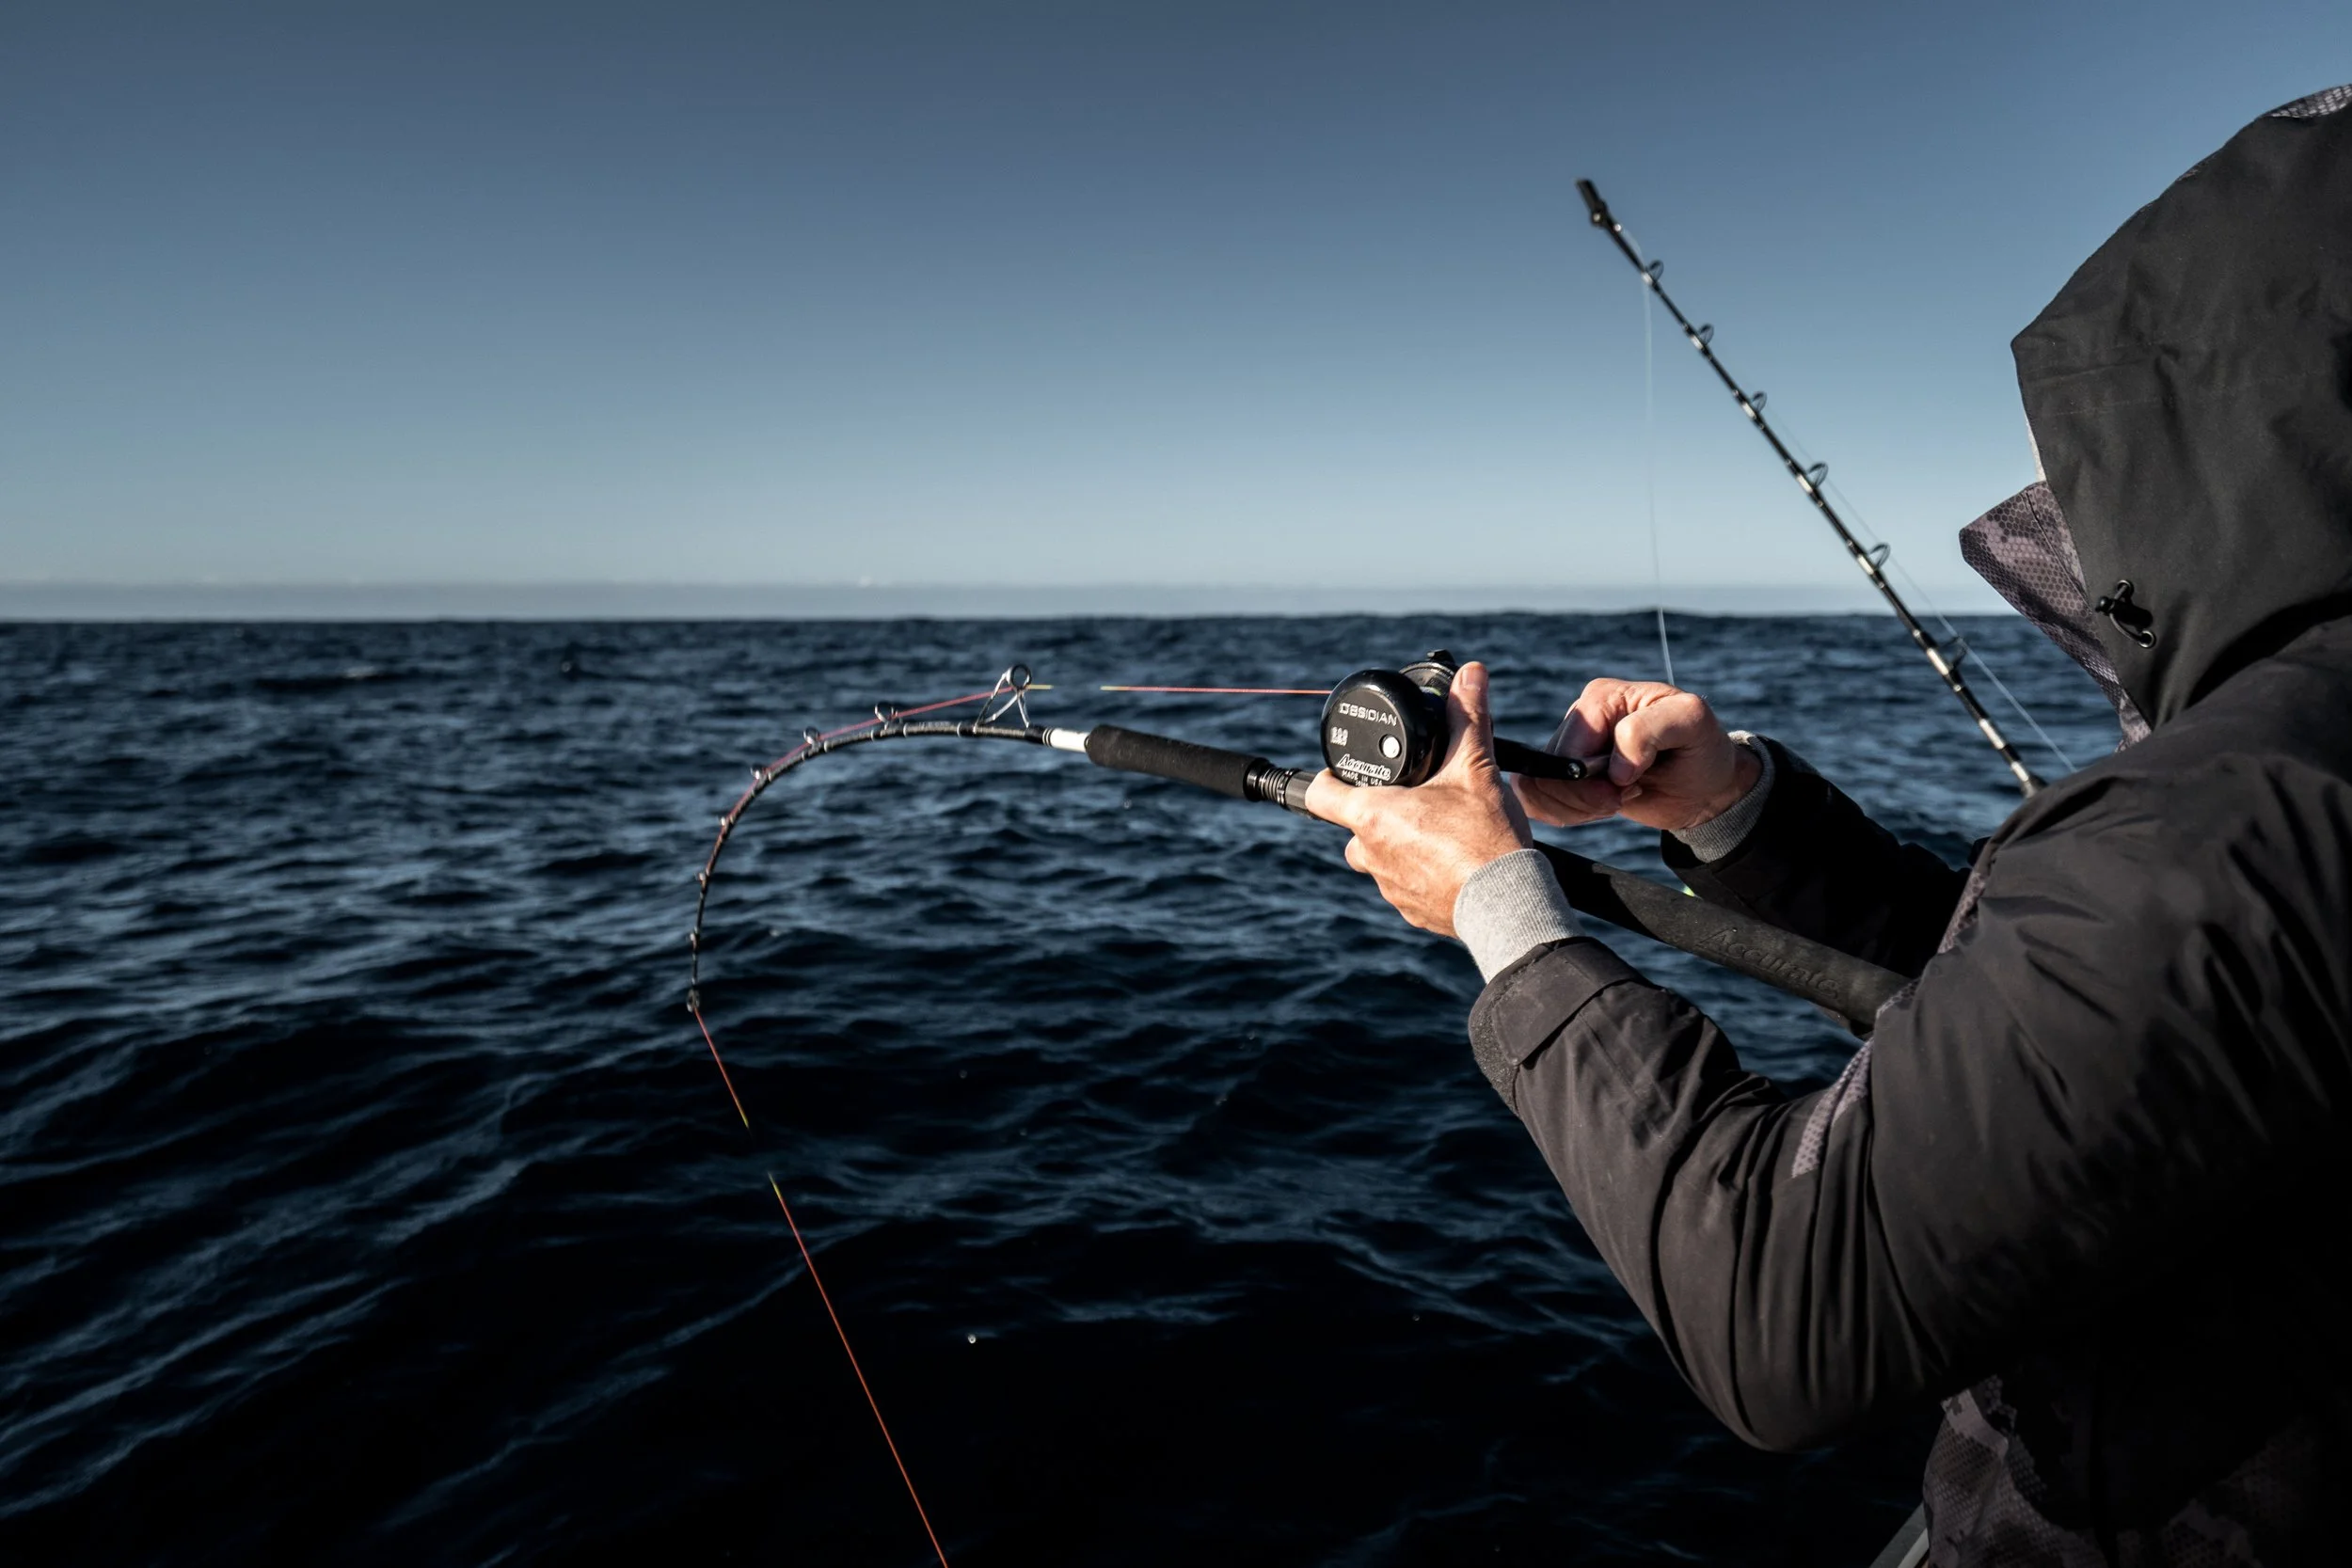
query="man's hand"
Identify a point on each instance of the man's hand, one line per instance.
(1670, 764)
(1421, 845)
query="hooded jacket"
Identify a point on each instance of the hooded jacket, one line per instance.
(2090, 1182)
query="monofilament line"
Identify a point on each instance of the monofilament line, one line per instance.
(1649, 472)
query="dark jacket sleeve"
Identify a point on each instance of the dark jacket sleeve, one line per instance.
(2118, 1051)
(1816, 865)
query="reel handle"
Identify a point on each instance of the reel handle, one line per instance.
(1530, 763)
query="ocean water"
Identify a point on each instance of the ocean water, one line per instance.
(369, 1195)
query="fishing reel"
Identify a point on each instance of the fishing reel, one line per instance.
(1390, 728)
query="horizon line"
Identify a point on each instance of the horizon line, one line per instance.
(594, 601)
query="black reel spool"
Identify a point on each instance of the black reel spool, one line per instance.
(1389, 727)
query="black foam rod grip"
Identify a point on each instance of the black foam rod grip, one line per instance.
(1136, 752)
(1841, 984)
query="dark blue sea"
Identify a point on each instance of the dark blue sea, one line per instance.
(368, 1197)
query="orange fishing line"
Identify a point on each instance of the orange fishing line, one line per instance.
(759, 782)
(826, 1296)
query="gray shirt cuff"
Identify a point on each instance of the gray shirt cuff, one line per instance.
(1509, 908)
(1718, 837)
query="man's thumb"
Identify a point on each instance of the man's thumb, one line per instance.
(1472, 720)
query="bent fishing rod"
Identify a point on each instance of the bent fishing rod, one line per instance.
(1379, 729)
(1871, 559)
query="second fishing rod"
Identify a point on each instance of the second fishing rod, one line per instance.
(1872, 560)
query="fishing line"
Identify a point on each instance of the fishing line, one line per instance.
(1955, 638)
(1649, 463)
(883, 725)
(809, 1262)
(1222, 690)
(1953, 632)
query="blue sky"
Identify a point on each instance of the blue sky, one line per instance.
(1265, 296)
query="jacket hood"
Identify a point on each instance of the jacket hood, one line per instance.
(2023, 550)
(2191, 392)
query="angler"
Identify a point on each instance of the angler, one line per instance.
(2086, 1182)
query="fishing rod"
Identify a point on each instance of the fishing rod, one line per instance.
(1380, 729)
(1871, 559)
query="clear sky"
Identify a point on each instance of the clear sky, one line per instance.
(1115, 292)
